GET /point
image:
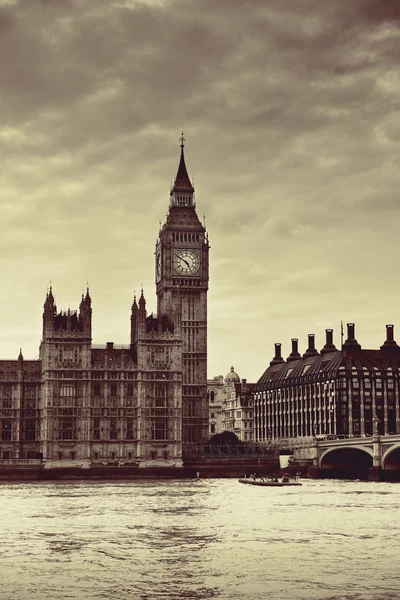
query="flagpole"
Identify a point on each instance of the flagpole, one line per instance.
(341, 333)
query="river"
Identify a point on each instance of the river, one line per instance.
(188, 539)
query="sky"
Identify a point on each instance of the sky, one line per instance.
(291, 114)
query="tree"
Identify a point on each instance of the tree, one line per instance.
(227, 438)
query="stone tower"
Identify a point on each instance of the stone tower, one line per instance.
(65, 354)
(181, 284)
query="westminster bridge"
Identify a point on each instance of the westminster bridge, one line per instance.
(374, 457)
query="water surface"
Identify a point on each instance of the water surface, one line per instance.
(188, 539)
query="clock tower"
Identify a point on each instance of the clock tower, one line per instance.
(181, 284)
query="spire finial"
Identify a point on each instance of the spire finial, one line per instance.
(182, 181)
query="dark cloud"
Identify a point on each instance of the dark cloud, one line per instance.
(290, 110)
(382, 10)
(6, 20)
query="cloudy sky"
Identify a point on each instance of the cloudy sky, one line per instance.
(291, 115)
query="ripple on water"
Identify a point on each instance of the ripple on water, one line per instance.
(177, 540)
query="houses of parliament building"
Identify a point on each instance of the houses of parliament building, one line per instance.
(137, 404)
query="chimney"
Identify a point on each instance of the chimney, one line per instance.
(278, 357)
(329, 345)
(295, 354)
(390, 343)
(311, 350)
(110, 345)
(351, 342)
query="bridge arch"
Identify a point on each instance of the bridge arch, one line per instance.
(352, 461)
(391, 458)
(335, 449)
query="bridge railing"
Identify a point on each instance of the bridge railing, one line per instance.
(256, 450)
(20, 462)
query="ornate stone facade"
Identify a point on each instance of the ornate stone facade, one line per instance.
(136, 404)
(231, 406)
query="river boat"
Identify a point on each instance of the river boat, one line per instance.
(271, 481)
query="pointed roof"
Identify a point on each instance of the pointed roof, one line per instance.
(182, 181)
(142, 301)
(49, 298)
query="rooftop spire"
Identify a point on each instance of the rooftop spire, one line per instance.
(182, 181)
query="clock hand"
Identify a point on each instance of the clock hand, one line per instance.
(185, 261)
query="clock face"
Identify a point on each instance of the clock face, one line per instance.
(186, 262)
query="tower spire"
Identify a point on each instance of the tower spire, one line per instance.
(182, 180)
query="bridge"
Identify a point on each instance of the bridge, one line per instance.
(375, 457)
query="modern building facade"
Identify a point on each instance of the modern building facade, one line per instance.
(139, 403)
(346, 392)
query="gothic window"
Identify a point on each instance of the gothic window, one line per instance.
(96, 428)
(113, 389)
(212, 396)
(160, 428)
(160, 396)
(113, 429)
(129, 429)
(67, 395)
(30, 430)
(66, 429)
(6, 430)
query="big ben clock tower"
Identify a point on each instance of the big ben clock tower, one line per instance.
(182, 283)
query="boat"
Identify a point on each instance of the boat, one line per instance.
(271, 481)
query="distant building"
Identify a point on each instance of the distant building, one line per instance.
(215, 394)
(140, 403)
(231, 406)
(349, 392)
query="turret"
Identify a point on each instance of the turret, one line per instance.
(49, 311)
(134, 321)
(142, 309)
(85, 313)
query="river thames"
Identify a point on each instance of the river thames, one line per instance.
(188, 539)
